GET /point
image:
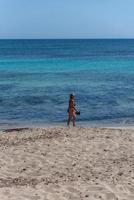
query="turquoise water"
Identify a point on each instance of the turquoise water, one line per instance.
(37, 76)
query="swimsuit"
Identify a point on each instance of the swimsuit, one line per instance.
(71, 109)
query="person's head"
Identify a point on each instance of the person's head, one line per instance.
(71, 96)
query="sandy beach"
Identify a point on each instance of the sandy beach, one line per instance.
(67, 163)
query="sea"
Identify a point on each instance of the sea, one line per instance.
(37, 77)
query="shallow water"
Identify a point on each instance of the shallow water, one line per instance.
(37, 76)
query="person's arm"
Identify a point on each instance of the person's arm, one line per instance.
(74, 106)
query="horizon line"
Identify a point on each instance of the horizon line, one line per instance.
(66, 38)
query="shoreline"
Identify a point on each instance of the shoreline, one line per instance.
(109, 123)
(64, 125)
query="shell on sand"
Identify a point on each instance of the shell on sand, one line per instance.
(67, 163)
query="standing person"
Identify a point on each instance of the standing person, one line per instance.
(71, 110)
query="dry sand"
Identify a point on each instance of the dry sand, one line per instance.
(67, 163)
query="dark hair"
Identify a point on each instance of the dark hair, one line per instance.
(71, 95)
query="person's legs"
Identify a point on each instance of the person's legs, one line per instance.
(69, 119)
(74, 119)
(71, 116)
